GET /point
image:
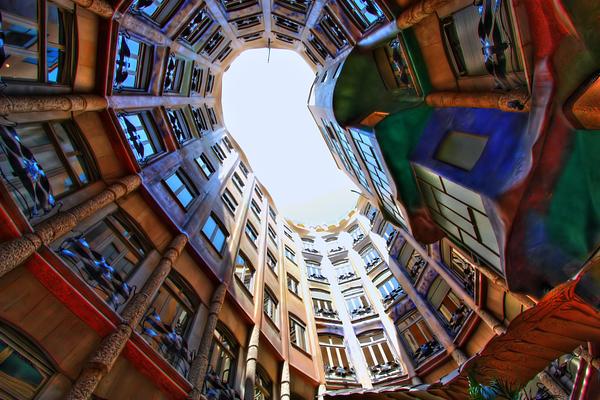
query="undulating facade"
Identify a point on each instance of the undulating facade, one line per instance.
(142, 258)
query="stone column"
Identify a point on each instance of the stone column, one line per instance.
(555, 389)
(251, 361)
(199, 366)
(496, 325)
(65, 102)
(514, 101)
(104, 358)
(285, 393)
(418, 12)
(424, 309)
(99, 7)
(16, 251)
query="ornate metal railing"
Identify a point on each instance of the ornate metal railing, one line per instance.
(392, 296)
(29, 172)
(339, 372)
(386, 369)
(216, 389)
(336, 250)
(358, 238)
(170, 344)
(361, 312)
(309, 250)
(427, 350)
(457, 319)
(346, 277)
(327, 313)
(317, 277)
(122, 62)
(96, 271)
(414, 270)
(170, 73)
(178, 130)
(372, 263)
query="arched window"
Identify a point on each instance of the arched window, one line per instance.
(42, 163)
(24, 370)
(105, 255)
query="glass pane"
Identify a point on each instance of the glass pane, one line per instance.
(55, 61)
(20, 376)
(73, 155)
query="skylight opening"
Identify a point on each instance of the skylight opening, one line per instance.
(265, 109)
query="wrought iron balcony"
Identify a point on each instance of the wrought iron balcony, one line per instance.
(416, 268)
(358, 238)
(392, 296)
(346, 277)
(386, 369)
(310, 250)
(339, 372)
(361, 312)
(372, 263)
(317, 277)
(170, 77)
(458, 318)
(326, 313)
(122, 63)
(215, 388)
(168, 342)
(96, 271)
(336, 250)
(427, 350)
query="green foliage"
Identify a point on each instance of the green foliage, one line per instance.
(496, 390)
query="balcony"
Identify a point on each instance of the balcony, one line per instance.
(214, 388)
(167, 341)
(336, 250)
(337, 372)
(359, 240)
(395, 294)
(317, 277)
(417, 267)
(326, 313)
(361, 312)
(346, 277)
(310, 250)
(457, 319)
(385, 370)
(427, 350)
(373, 263)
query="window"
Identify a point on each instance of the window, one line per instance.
(196, 27)
(344, 271)
(271, 261)
(364, 13)
(179, 125)
(259, 193)
(251, 232)
(271, 306)
(293, 285)
(180, 186)
(388, 287)
(255, 209)
(25, 41)
(53, 153)
(244, 169)
(199, 121)
(370, 257)
(23, 367)
(272, 234)
(174, 74)
(272, 213)
(263, 386)
(376, 348)
(133, 64)
(308, 245)
(205, 165)
(168, 321)
(227, 144)
(416, 336)
(356, 302)
(238, 182)
(214, 231)
(219, 153)
(460, 149)
(290, 255)
(298, 333)
(229, 201)
(117, 249)
(288, 232)
(244, 271)
(314, 271)
(334, 355)
(356, 233)
(223, 355)
(158, 11)
(141, 134)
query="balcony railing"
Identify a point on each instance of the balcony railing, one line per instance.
(168, 342)
(346, 277)
(96, 271)
(339, 372)
(392, 296)
(317, 277)
(458, 318)
(310, 250)
(326, 313)
(416, 268)
(427, 350)
(386, 369)
(371, 264)
(358, 238)
(361, 312)
(336, 250)
(215, 388)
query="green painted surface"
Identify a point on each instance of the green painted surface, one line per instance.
(397, 136)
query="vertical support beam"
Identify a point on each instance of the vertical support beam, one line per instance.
(418, 12)
(285, 393)
(497, 326)
(555, 389)
(251, 361)
(66, 102)
(104, 358)
(514, 101)
(16, 251)
(200, 364)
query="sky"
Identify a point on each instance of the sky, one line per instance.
(265, 110)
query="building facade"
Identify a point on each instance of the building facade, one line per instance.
(141, 258)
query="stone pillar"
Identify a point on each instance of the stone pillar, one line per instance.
(16, 251)
(418, 12)
(124, 101)
(285, 393)
(99, 7)
(251, 361)
(424, 309)
(104, 358)
(496, 325)
(199, 366)
(553, 387)
(514, 101)
(64, 102)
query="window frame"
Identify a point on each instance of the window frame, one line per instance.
(219, 227)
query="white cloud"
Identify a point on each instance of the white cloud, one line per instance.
(265, 109)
